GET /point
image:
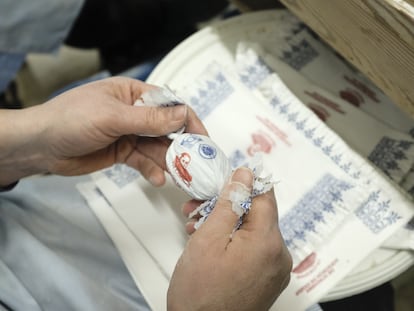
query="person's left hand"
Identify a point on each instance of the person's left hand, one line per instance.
(96, 125)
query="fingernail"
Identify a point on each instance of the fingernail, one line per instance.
(180, 112)
(155, 180)
(244, 176)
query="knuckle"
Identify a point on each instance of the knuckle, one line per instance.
(151, 118)
(276, 249)
(267, 205)
(158, 120)
(225, 210)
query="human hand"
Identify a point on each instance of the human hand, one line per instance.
(96, 125)
(245, 272)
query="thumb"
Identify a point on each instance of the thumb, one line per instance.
(153, 121)
(224, 218)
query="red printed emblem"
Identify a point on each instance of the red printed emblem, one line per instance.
(305, 264)
(321, 112)
(181, 163)
(260, 142)
(352, 97)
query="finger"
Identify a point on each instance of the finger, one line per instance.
(194, 124)
(263, 213)
(189, 227)
(223, 218)
(189, 207)
(125, 89)
(139, 87)
(147, 167)
(154, 148)
(128, 90)
(148, 121)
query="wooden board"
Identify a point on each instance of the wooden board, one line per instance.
(376, 36)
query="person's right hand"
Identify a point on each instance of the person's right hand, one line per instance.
(89, 128)
(245, 272)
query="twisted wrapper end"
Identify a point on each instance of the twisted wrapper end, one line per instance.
(241, 199)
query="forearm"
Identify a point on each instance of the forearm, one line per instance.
(20, 144)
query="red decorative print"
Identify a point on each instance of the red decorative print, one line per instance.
(319, 111)
(181, 163)
(363, 88)
(352, 97)
(305, 264)
(261, 142)
(325, 101)
(279, 134)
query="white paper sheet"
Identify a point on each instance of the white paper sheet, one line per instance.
(146, 272)
(390, 150)
(312, 164)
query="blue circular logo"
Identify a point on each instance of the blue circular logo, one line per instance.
(207, 151)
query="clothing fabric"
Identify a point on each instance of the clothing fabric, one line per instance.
(32, 26)
(55, 255)
(129, 32)
(36, 26)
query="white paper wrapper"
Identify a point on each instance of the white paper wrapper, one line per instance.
(197, 165)
(163, 97)
(160, 97)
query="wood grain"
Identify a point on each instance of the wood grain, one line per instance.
(376, 36)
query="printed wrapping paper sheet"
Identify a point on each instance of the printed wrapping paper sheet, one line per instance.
(317, 62)
(151, 214)
(314, 60)
(325, 189)
(304, 53)
(146, 271)
(408, 182)
(390, 150)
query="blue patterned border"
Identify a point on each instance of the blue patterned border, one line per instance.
(212, 94)
(376, 214)
(309, 214)
(299, 55)
(121, 174)
(310, 133)
(252, 75)
(388, 153)
(237, 159)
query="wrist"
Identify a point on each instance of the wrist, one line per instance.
(21, 152)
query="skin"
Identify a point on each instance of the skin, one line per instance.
(245, 272)
(89, 128)
(96, 125)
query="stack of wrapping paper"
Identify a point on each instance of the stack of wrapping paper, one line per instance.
(341, 152)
